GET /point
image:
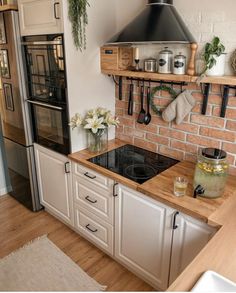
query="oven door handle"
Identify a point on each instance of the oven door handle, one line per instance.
(59, 42)
(45, 105)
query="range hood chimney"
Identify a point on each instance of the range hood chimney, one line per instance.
(159, 22)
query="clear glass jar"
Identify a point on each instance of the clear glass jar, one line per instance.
(211, 172)
(97, 142)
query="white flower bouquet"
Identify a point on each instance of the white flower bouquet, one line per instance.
(96, 121)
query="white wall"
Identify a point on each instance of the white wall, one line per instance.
(87, 87)
(207, 19)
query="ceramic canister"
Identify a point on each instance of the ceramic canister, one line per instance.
(165, 61)
(179, 64)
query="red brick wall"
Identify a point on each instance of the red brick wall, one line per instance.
(181, 141)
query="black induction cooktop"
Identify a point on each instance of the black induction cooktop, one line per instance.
(134, 163)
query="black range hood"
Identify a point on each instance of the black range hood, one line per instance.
(159, 22)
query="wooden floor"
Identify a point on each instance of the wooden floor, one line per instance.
(19, 226)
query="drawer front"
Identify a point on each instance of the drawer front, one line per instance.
(97, 201)
(93, 228)
(93, 177)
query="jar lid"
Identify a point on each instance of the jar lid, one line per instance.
(166, 51)
(180, 56)
(212, 153)
(150, 60)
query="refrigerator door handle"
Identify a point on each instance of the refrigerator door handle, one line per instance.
(45, 105)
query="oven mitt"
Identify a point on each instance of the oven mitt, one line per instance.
(179, 108)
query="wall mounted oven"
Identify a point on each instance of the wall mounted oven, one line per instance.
(46, 74)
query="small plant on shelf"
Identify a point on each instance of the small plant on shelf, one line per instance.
(212, 52)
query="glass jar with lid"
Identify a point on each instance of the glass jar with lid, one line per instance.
(179, 64)
(165, 61)
(211, 173)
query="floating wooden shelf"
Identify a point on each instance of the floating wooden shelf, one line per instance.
(8, 7)
(224, 80)
(148, 75)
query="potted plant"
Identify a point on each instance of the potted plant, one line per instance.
(78, 17)
(214, 57)
(96, 122)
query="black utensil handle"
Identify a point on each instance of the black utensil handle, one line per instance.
(131, 102)
(142, 96)
(148, 100)
(224, 101)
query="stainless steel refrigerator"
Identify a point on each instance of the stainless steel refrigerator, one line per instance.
(15, 116)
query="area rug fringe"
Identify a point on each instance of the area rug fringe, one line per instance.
(23, 247)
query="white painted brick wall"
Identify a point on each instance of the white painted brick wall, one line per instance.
(212, 16)
(205, 20)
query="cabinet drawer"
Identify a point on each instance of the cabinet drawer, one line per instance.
(93, 177)
(98, 201)
(93, 228)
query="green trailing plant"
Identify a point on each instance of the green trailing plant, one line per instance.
(78, 17)
(211, 50)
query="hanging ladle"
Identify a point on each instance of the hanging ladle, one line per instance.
(148, 117)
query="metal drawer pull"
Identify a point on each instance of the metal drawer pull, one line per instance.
(89, 176)
(55, 10)
(92, 201)
(175, 226)
(91, 230)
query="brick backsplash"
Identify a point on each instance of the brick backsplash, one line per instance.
(181, 141)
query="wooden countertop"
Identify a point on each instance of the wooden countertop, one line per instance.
(220, 253)
(160, 187)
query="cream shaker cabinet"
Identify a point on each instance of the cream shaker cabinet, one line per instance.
(55, 183)
(143, 234)
(189, 237)
(94, 207)
(40, 17)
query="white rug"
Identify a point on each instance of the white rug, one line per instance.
(42, 266)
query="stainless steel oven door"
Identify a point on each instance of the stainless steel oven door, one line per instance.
(50, 126)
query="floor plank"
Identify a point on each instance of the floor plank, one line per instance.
(18, 226)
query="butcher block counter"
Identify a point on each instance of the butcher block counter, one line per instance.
(219, 254)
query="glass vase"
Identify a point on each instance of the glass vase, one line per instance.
(97, 142)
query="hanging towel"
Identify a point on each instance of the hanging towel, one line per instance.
(179, 108)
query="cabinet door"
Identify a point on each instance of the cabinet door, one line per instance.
(143, 236)
(189, 237)
(54, 183)
(39, 17)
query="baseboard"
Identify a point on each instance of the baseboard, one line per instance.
(5, 190)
